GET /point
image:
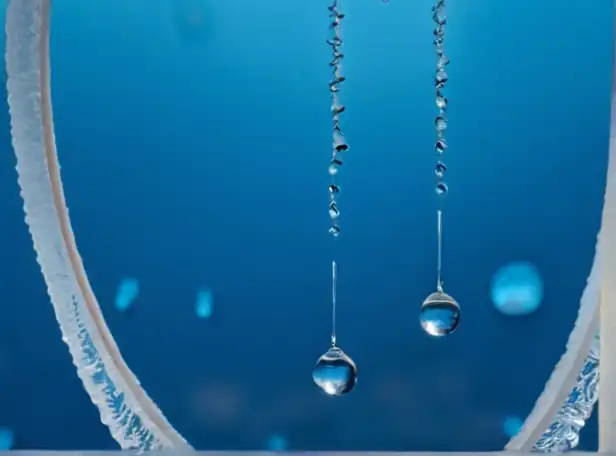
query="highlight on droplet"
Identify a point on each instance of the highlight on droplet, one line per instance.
(127, 292)
(517, 289)
(204, 305)
(512, 425)
(277, 442)
(7, 439)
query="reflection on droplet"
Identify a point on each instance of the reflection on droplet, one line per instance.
(277, 443)
(204, 305)
(439, 315)
(512, 425)
(517, 289)
(7, 439)
(127, 292)
(335, 372)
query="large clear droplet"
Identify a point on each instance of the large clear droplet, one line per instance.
(439, 314)
(335, 372)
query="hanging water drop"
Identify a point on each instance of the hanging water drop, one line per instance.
(441, 188)
(334, 166)
(440, 147)
(335, 372)
(439, 314)
(333, 210)
(441, 102)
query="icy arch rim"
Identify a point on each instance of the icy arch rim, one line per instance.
(132, 417)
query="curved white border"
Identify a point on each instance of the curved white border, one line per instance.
(132, 417)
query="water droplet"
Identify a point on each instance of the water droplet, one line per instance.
(334, 230)
(335, 372)
(334, 212)
(441, 124)
(439, 314)
(440, 169)
(277, 443)
(443, 61)
(512, 426)
(441, 102)
(441, 188)
(334, 166)
(441, 78)
(7, 439)
(333, 189)
(517, 289)
(204, 305)
(126, 294)
(440, 146)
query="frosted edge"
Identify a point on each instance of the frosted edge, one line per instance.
(133, 419)
(565, 374)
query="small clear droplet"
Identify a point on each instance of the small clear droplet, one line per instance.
(334, 166)
(333, 189)
(441, 102)
(443, 61)
(440, 123)
(441, 188)
(334, 212)
(335, 372)
(334, 230)
(441, 76)
(440, 169)
(439, 315)
(440, 146)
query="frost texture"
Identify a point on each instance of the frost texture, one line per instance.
(564, 433)
(133, 419)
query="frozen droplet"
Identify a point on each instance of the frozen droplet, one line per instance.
(204, 304)
(127, 292)
(439, 314)
(335, 372)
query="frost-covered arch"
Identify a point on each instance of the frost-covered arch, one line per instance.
(132, 417)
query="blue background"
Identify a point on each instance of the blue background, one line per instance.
(195, 137)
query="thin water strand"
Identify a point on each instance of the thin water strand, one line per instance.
(339, 144)
(439, 253)
(334, 286)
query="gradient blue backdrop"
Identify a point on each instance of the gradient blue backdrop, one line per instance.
(195, 137)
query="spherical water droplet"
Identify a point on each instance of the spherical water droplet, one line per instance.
(204, 305)
(126, 294)
(335, 373)
(440, 146)
(439, 314)
(7, 439)
(441, 102)
(440, 169)
(517, 289)
(333, 189)
(440, 123)
(277, 443)
(334, 166)
(512, 426)
(441, 188)
(334, 212)
(334, 230)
